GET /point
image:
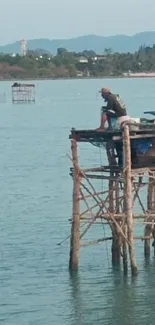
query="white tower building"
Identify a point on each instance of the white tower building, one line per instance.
(23, 47)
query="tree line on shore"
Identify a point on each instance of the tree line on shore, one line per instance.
(64, 64)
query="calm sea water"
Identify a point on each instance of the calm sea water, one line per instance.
(35, 205)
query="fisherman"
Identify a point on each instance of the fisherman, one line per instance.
(115, 108)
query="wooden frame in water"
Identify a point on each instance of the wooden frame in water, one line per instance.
(116, 206)
(23, 93)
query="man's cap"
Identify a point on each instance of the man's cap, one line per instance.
(104, 91)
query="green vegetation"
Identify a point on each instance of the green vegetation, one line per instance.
(71, 65)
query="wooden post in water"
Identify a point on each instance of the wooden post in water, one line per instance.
(114, 248)
(125, 230)
(147, 231)
(125, 251)
(75, 230)
(115, 208)
(128, 197)
(113, 196)
(151, 209)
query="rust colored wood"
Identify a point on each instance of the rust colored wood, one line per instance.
(117, 197)
(86, 203)
(125, 231)
(75, 230)
(151, 209)
(115, 248)
(120, 217)
(125, 251)
(92, 195)
(97, 198)
(128, 197)
(151, 192)
(94, 242)
(147, 233)
(118, 227)
(111, 196)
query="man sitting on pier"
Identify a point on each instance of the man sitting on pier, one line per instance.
(115, 108)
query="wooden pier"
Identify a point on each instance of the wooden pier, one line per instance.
(117, 205)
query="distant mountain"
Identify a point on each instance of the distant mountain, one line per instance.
(118, 43)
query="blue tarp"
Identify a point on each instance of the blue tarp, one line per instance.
(141, 145)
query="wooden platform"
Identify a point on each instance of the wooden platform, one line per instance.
(103, 136)
(126, 198)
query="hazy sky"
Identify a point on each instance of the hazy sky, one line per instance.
(68, 18)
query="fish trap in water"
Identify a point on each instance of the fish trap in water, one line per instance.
(23, 93)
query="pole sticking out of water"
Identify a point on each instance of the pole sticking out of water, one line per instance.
(128, 197)
(75, 231)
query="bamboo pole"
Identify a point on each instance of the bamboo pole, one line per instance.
(97, 198)
(128, 197)
(147, 232)
(118, 217)
(86, 211)
(151, 208)
(92, 195)
(95, 242)
(125, 231)
(138, 197)
(125, 251)
(75, 231)
(118, 228)
(115, 248)
(91, 222)
(117, 197)
(86, 203)
(101, 240)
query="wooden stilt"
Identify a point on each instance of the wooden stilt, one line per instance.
(128, 197)
(153, 234)
(147, 230)
(116, 243)
(147, 241)
(117, 210)
(115, 249)
(113, 206)
(111, 210)
(125, 251)
(75, 231)
(151, 209)
(125, 231)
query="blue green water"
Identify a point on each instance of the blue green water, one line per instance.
(35, 205)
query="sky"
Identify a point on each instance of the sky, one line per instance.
(71, 18)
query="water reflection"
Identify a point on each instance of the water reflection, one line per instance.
(76, 299)
(122, 301)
